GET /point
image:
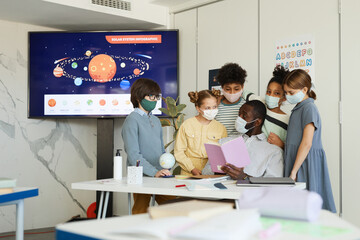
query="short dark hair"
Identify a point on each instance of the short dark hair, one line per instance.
(231, 73)
(279, 75)
(141, 88)
(259, 109)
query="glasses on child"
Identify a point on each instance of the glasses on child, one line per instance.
(153, 97)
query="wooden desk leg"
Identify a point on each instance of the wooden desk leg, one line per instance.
(20, 219)
(100, 205)
(129, 203)
(105, 205)
(236, 204)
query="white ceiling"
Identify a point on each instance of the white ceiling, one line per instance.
(76, 15)
(53, 14)
(170, 3)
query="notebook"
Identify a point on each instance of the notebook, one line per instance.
(233, 151)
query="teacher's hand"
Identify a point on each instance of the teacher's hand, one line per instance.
(233, 172)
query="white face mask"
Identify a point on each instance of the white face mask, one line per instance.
(272, 102)
(240, 125)
(232, 97)
(210, 114)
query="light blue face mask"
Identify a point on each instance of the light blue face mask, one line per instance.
(296, 98)
(271, 102)
(240, 125)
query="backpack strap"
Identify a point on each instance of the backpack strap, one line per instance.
(248, 96)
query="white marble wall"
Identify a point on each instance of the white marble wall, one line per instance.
(48, 154)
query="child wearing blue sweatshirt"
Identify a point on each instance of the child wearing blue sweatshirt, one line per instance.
(143, 137)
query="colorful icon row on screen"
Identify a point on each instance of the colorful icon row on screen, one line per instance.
(102, 102)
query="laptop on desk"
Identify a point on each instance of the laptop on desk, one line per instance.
(266, 181)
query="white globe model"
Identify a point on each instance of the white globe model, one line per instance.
(167, 160)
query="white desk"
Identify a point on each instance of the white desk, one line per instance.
(17, 197)
(159, 186)
(104, 229)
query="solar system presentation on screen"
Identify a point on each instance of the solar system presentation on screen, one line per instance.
(91, 73)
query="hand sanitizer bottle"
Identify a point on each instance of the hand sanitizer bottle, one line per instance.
(117, 165)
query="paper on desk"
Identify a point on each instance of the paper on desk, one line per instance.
(285, 202)
(156, 229)
(110, 181)
(204, 179)
(236, 224)
(192, 186)
(305, 228)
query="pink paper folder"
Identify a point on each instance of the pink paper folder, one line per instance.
(233, 151)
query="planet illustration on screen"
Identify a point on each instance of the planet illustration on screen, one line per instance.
(88, 53)
(58, 72)
(115, 102)
(102, 68)
(78, 81)
(102, 102)
(52, 102)
(125, 84)
(89, 102)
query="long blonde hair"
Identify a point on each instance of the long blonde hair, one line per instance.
(298, 79)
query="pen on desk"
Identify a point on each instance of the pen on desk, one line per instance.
(137, 163)
(182, 185)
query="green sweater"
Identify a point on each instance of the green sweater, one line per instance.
(143, 140)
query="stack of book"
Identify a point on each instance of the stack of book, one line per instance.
(195, 209)
(195, 220)
(7, 185)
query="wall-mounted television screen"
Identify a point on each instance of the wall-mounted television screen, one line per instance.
(89, 74)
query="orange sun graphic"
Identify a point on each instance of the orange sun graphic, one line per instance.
(102, 68)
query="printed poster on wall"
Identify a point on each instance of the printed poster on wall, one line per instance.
(298, 52)
(213, 83)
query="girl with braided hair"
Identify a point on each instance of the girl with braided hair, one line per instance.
(194, 132)
(276, 121)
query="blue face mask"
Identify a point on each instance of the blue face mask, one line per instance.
(296, 98)
(240, 125)
(271, 102)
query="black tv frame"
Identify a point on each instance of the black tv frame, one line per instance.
(94, 116)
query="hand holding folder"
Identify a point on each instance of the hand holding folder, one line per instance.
(233, 151)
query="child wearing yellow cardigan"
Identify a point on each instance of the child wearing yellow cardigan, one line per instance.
(189, 149)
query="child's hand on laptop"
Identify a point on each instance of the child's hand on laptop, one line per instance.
(163, 172)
